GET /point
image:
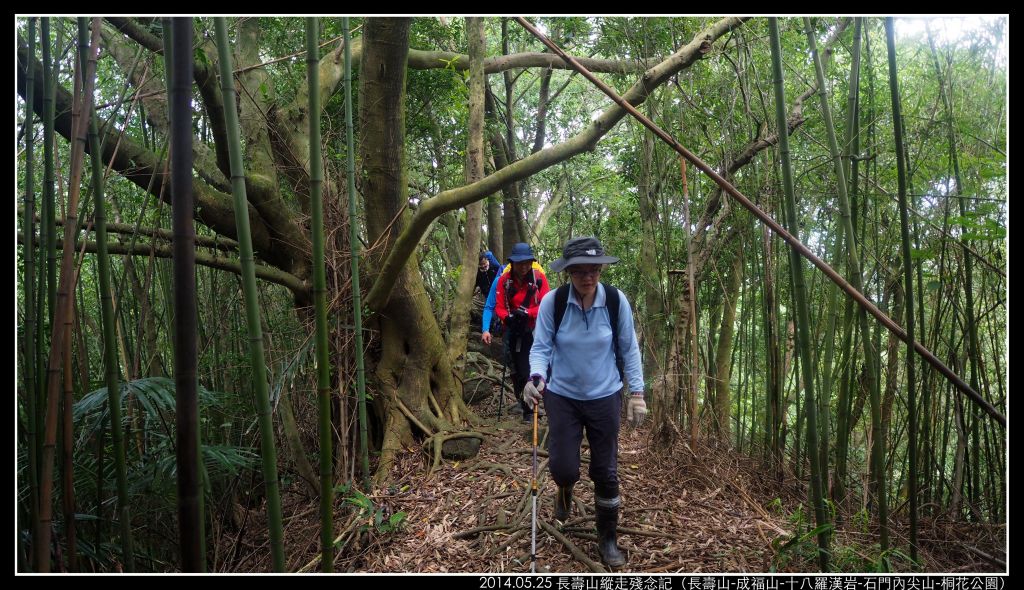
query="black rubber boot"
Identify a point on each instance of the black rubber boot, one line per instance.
(607, 512)
(563, 502)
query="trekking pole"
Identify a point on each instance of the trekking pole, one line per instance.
(501, 384)
(533, 488)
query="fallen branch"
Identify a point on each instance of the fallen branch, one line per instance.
(576, 552)
(348, 528)
(981, 553)
(402, 408)
(483, 529)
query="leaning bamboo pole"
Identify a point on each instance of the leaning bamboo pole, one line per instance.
(804, 251)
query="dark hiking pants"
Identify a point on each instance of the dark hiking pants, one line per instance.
(567, 420)
(519, 345)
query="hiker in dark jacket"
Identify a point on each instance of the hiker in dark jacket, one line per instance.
(518, 297)
(487, 272)
(575, 366)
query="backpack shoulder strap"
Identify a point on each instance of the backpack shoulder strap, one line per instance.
(510, 290)
(535, 286)
(531, 289)
(612, 303)
(561, 302)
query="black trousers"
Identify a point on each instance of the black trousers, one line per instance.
(567, 420)
(518, 347)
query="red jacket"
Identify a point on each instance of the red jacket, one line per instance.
(520, 291)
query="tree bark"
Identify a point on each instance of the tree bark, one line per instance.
(414, 364)
(474, 211)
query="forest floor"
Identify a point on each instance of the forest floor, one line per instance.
(711, 511)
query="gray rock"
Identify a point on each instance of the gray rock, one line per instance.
(460, 449)
(476, 389)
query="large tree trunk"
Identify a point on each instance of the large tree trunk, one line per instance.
(494, 229)
(474, 211)
(414, 369)
(509, 228)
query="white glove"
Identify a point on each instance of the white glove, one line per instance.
(532, 394)
(636, 411)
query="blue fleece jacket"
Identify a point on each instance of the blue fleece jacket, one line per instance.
(582, 357)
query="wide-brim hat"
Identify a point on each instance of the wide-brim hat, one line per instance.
(521, 252)
(584, 250)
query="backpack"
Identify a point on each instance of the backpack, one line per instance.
(510, 290)
(611, 302)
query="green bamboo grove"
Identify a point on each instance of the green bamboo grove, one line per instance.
(249, 334)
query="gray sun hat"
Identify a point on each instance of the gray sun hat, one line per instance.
(584, 250)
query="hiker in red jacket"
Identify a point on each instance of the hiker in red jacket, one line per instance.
(519, 293)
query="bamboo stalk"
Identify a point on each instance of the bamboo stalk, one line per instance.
(190, 519)
(84, 84)
(323, 363)
(357, 309)
(908, 278)
(256, 353)
(29, 346)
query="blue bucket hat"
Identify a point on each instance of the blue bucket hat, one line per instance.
(584, 250)
(521, 252)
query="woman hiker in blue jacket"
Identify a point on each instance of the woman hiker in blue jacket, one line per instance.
(582, 392)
